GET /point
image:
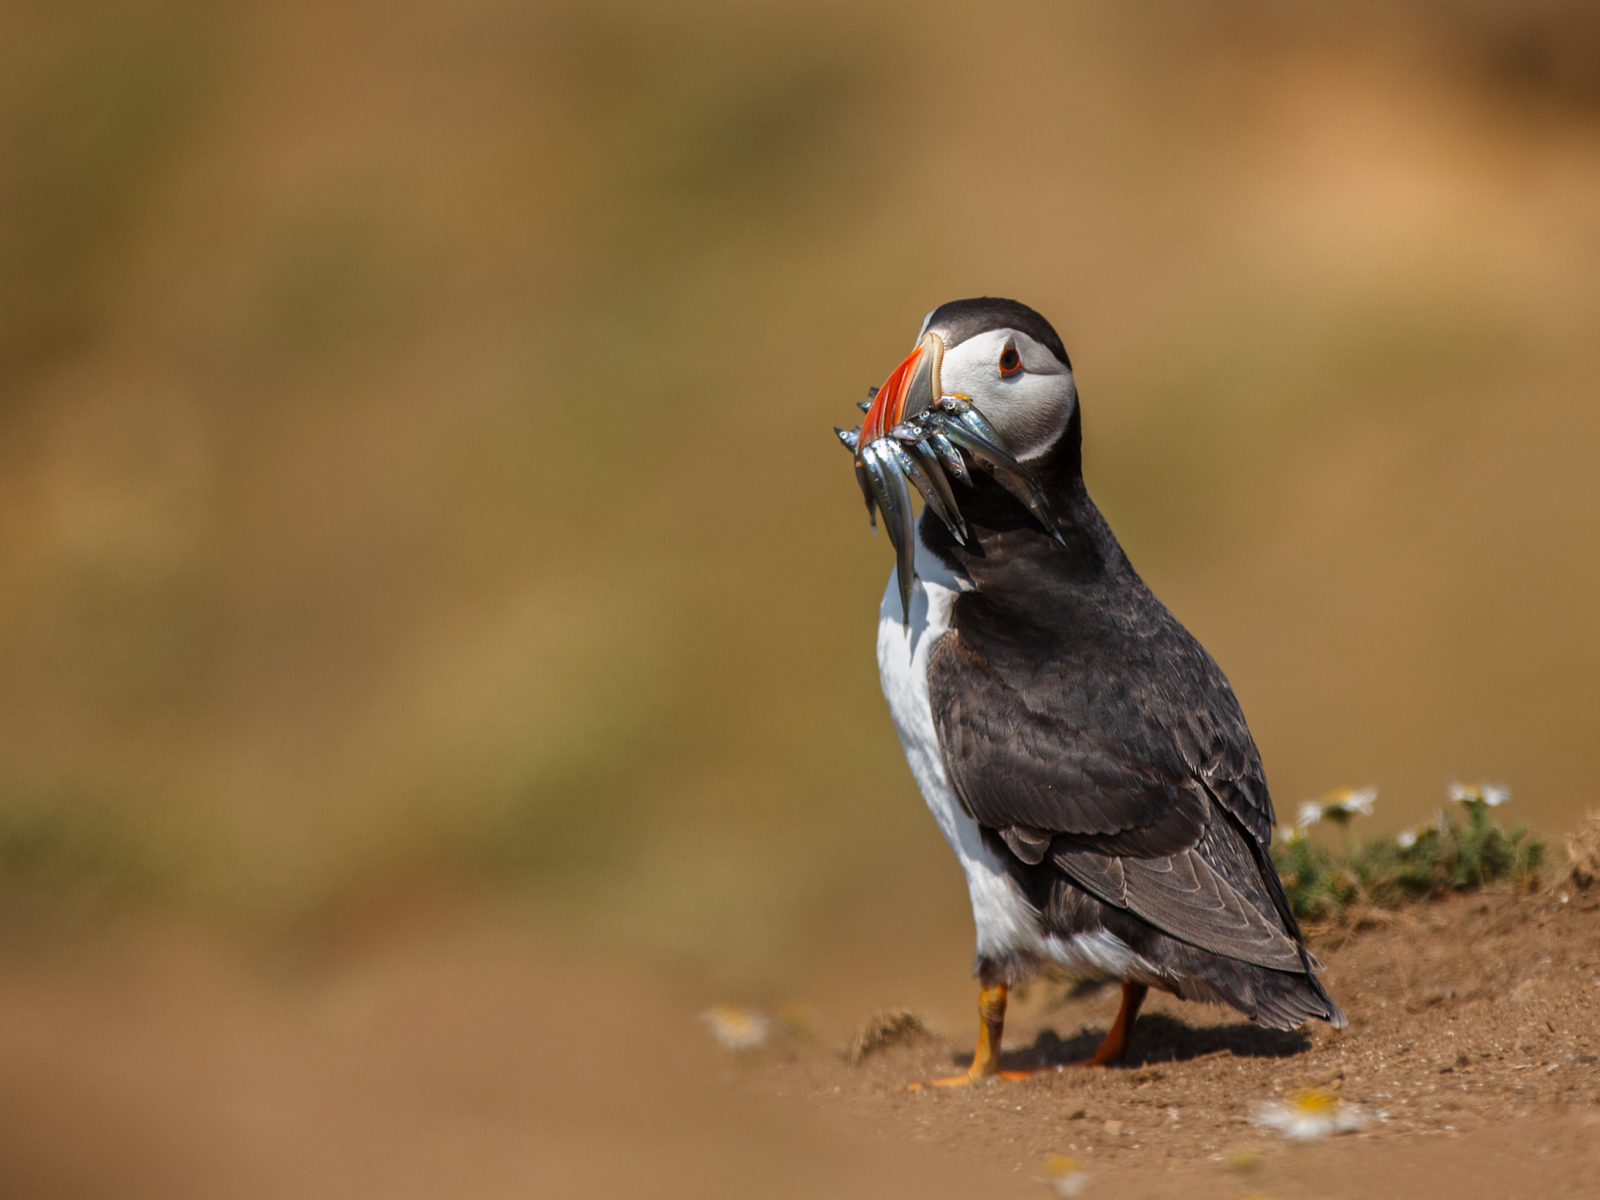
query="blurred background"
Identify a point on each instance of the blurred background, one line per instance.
(416, 474)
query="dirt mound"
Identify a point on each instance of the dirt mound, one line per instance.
(1471, 1051)
(1583, 849)
(885, 1028)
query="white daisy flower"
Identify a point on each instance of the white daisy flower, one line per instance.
(1288, 833)
(1491, 795)
(1350, 801)
(1338, 806)
(1063, 1175)
(737, 1028)
(1407, 838)
(1308, 1115)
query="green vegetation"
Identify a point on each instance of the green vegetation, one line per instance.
(1445, 856)
(68, 853)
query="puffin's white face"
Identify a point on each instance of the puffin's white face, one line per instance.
(1022, 389)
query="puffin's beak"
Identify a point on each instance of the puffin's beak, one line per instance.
(883, 467)
(909, 390)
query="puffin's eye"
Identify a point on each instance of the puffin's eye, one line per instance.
(1010, 361)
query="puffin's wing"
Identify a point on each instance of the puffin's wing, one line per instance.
(1188, 897)
(1129, 760)
(1148, 799)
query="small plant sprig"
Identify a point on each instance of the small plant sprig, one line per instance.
(1443, 856)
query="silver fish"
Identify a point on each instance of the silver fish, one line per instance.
(931, 445)
(929, 480)
(888, 481)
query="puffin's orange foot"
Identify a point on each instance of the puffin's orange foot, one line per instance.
(965, 1079)
(968, 1078)
(1029, 1073)
(991, 1020)
(1096, 1060)
(986, 1057)
(992, 1007)
(1108, 1054)
(1115, 1043)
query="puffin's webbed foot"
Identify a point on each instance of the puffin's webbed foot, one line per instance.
(1115, 1044)
(986, 1058)
(991, 1024)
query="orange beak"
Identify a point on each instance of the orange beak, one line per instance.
(909, 390)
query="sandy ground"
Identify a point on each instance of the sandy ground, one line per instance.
(472, 1053)
(1472, 1044)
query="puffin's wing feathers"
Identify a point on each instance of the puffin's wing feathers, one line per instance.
(1126, 788)
(1129, 765)
(1183, 895)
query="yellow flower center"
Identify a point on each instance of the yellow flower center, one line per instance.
(1313, 1101)
(1057, 1165)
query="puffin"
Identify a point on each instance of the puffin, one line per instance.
(1083, 755)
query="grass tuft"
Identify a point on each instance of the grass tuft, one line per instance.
(1385, 872)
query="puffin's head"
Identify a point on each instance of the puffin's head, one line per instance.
(999, 354)
(988, 384)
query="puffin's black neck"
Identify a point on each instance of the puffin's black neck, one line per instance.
(1062, 464)
(1003, 536)
(1080, 591)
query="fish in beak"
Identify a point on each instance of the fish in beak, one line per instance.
(913, 436)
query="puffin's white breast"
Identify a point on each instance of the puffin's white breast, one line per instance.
(1006, 923)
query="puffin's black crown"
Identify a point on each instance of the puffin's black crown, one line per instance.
(961, 319)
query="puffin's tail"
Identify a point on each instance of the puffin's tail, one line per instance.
(1300, 996)
(1288, 1001)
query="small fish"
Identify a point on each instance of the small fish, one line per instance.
(926, 446)
(887, 479)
